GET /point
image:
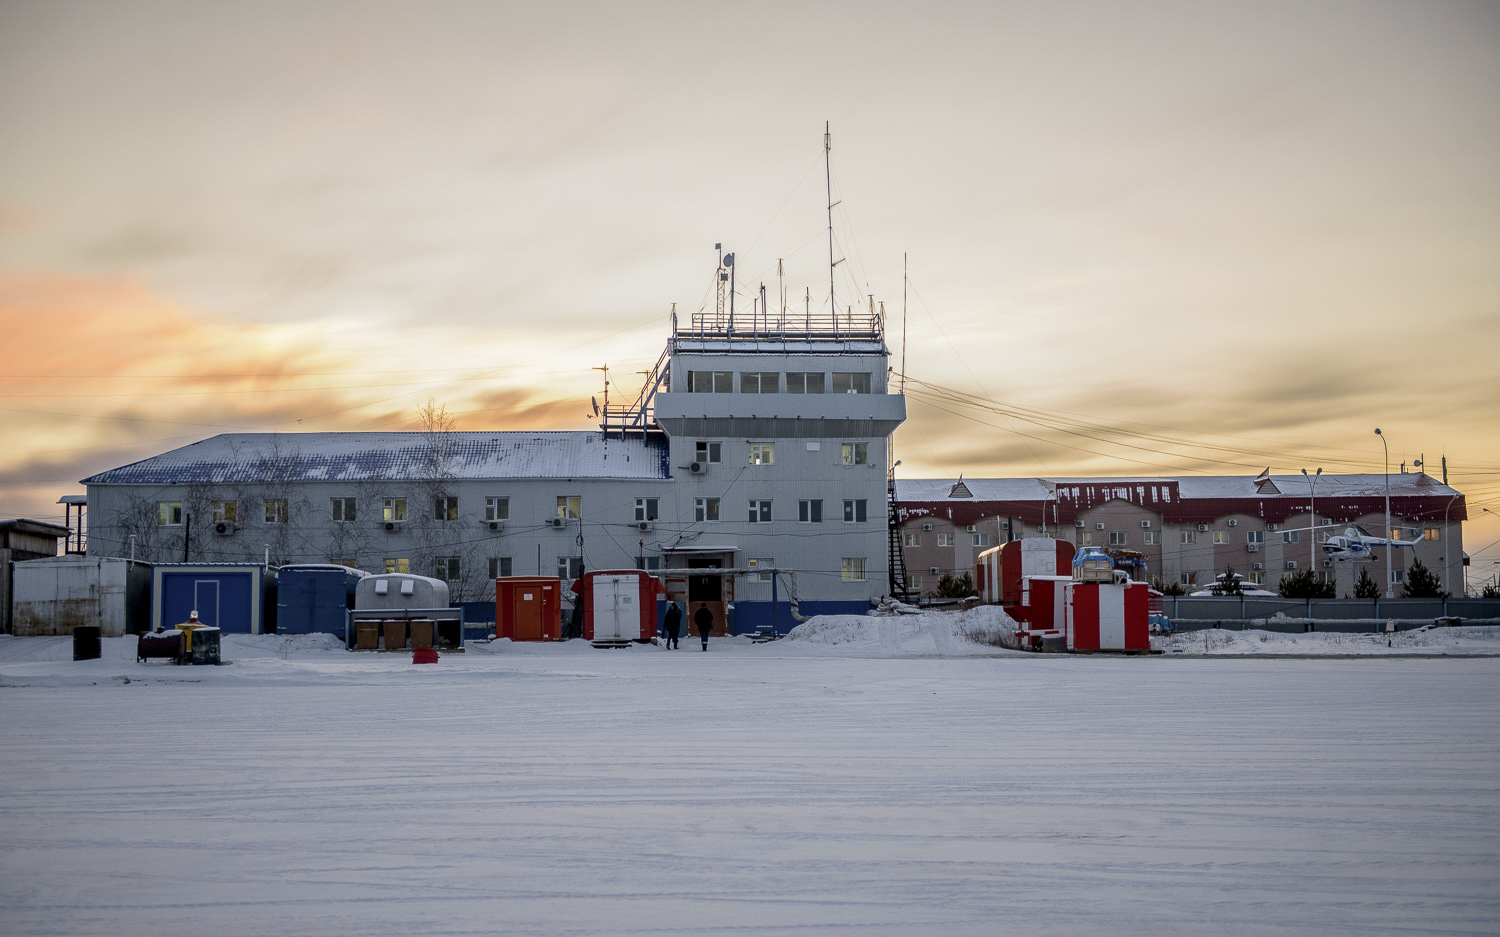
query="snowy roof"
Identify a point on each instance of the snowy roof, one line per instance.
(1190, 487)
(982, 489)
(251, 457)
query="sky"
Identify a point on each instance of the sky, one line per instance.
(1145, 238)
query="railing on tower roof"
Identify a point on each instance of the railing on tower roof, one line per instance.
(788, 327)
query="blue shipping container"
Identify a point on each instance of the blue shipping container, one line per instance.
(314, 597)
(228, 596)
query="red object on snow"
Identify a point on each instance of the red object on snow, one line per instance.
(424, 655)
(999, 570)
(619, 605)
(1104, 616)
(528, 608)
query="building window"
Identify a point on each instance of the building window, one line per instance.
(1291, 536)
(570, 506)
(914, 582)
(276, 511)
(706, 509)
(394, 509)
(981, 540)
(1084, 538)
(342, 509)
(762, 453)
(1255, 536)
(445, 508)
(645, 509)
(1188, 536)
(1257, 578)
(1186, 579)
(1325, 576)
(169, 513)
(810, 512)
(1432, 533)
(851, 382)
(911, 540)
(398, 564)
(1221, 536)
(229, 511)
(1398, 576)
(500, 566)
(1117, 538)
(497, 509)
(855, 453)
(804, 382)
(765, 561)
(1153, 537)
(707, 452)
(446, 568)
(760, 512)
(710, 382)
(854, 569)
(945, 540)
(760, 382)
(348, 561)
(569, 567)
(854, 510)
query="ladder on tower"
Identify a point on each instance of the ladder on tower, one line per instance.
(897, 558)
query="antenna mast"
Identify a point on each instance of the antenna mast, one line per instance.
(828, 181)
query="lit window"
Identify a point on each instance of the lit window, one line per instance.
(1258, 578)
(760, 382)
(855, 453)
(854, 569)
(804, 382)
(706, 509)
(1084, 538)
(445, 508)
(945, 540)
(276, 511)
(1117, 538)
(911, 540)
(1432, 533)
(169, 513)
(765, 561)
(760, 512)
(343, 509)
(851, 382)
(762, 453)
(570, 506)
(855, 511)
(981, 540)
(497, 509)
(710, 382)
(229, 510)
(500, 566)
(645, 509)
(348, 561)
(399, 564)
(706, 452)
(810, 512)
(394, 509)
(1221, 536)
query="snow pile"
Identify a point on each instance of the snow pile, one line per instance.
(972, 631)
(1480, 640)
(285, 646)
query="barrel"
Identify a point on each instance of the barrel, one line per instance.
(86, 642)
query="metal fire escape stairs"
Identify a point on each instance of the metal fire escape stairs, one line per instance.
(897, 558)
(638, 416)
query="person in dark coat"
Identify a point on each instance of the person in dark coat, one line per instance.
(704, 619)
(672, 625)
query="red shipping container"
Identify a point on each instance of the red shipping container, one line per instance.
(1105, 616)
(619, 605)
(528, 608)
(1042, 602)
(999, 571)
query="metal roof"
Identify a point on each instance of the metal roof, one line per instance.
(260, 457)
(1190, 487)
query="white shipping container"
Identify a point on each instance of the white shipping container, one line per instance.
(55, 594)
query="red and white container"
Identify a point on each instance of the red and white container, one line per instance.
(999, 571)
(528, 608)
(1105, 616)
(619, 606)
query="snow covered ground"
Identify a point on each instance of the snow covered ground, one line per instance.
(1465, 641)
(850, 780)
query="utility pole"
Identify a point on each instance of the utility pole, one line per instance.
(1387, 448)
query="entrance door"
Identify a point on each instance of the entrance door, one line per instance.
(611, 606)
(705, 588)
(206, 601)
(528, 613)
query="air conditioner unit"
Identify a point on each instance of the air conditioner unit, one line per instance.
(933, 570)
(1232, 522)
(497, 525)
(926, 526)
(393, 525)
(698, 468)
(558, 523)
(1291, 564)
(1078, 524)
(1270, 527)
(1146, 524)
(1257, 565)
(643, 525)
(1098, 526)
(1202, 526)
(1328, 564)
(1252, 548)
(972, 528)
(224, 528)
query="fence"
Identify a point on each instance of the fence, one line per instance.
(1353, 614)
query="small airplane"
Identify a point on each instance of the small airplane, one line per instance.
(1355, 544)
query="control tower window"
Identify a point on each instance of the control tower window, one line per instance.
(851, 382)
(760, 382)
(804, 382)
(711, 382)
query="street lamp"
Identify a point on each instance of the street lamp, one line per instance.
(1312, 533)
(1448, 547)
(1387, 448)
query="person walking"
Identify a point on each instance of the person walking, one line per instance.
(704, 619)
(672, 625)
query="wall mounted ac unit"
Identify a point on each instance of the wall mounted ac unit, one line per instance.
(933, 570)
(643, 525)
(393, 525)
(1257, 565)
(1078, 524)
(972, 528)
(1146, 524)
(1233, 523)
(224, 528)
(926, 526)
(1291, 564)
(1202, 526)
(497, 525)
(1328, 564)
(1098, 526)
(558, 523)
(1252, 548)
(1270, 527)
(698, 468)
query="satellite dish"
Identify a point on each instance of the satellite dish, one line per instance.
(729, 260)
(596, 405)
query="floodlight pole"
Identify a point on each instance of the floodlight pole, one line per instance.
(1387, 448)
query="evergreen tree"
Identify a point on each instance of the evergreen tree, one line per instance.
(959, 587)
(1229, 585)
(1304, 584)
(1421, 583)
(1364, 586)
(1490, 591)
(1167, 588)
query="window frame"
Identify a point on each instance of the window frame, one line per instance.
(801, 380)
(946, 539)
(856, 510)
(225, 511)
(708, 452)
(853, 569)
(810, 511)
(278, 510)
(911, 538)
(1153, 538)
(445, 508)
(392, 510)
(762, 453)
(397, 564)
(852, 381)
(647, 509)
(760, 511)
(1221, 538)
(703, 507)
(715, 385)
(981, 539)
(1119, 538)
(343, 510)
(166, 511)
(502, 567)
(854, 453)
(497, 508)
(570, 507)
(756, 561)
